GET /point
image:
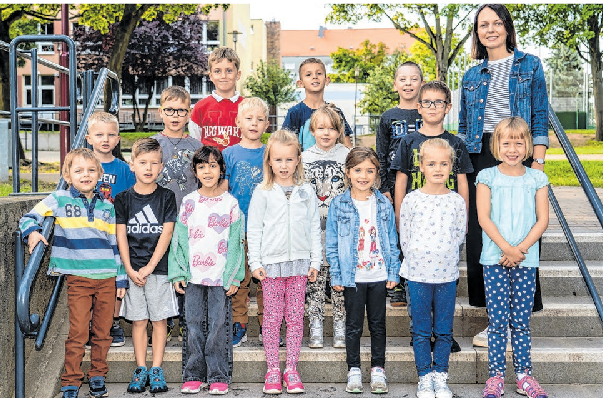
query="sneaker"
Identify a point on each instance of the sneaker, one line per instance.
(316, 332)
(157, 381)
(425, 387)
(69, 391)
(292, 381)
(495, 387)
(170, 328)
(481, 339)
(378, 383)
(272, 382)
(281, 343)
(191, 387)
(97, 387)
(239, 334)
(354, 381)
(339, 334)
(455, 347)
(140, 379)
(218, 388)
(398, 298)
(117, 333)
(529, 386)
(440, 385)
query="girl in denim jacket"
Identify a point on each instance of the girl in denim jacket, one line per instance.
(507, 83)
(361, 248)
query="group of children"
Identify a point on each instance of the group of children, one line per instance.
(204, 215)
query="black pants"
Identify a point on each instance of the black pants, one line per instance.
(372, 297)
(475, 270)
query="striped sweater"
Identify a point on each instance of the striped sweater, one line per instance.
(84, 235)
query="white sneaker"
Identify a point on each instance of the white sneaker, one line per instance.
(481, 339)
(378, 381)
(440, 385)
(425, 387)
(354, 381)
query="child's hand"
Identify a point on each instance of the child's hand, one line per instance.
(338, 288)
(312, 275)
(259, 274)
(232, 290)
(34, 238)
(138, 281)
(145, 271)
(390, 284)
(179, 285)
(121, 292)
(512, 256)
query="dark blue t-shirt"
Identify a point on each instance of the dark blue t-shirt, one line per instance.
(244, 171)
(117, 177)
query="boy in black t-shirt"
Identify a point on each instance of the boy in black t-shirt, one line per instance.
(145, 216)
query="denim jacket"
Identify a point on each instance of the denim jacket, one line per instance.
(343, 223)
(527, 99)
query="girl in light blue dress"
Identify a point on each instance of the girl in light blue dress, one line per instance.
(513, 211)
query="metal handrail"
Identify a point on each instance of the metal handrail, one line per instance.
(42, 61)
(593, 198)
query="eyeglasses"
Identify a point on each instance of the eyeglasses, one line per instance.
(438, 103)
(180, 112)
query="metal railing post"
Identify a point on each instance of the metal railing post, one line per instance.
(19, 335)
(34, 120)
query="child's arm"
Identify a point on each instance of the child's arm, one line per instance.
(463, 189)
(511, 255)
(160, 249)
(124, 254)
(399, 194)
(30, 223)
(393, 263)
(460, 227)
(405, 221)
(347, 141)
(257, 210)
(316, 245)
(542, 220)
(332, 247)
(234, 271)
(178, 266)
(383, 140)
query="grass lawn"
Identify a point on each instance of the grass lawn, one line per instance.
(560, 173)
(591, 147)
(6, 188)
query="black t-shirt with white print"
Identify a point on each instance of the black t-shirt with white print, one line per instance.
(144, 216)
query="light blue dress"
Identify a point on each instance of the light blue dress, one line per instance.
(513, 211)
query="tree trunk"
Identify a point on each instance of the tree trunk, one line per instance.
(596, 64)
(273, 118)
(4, 69)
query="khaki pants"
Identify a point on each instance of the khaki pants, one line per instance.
(240, 307)
(84, 295)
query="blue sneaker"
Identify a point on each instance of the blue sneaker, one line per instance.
(69, 391)
(239, 334)
(140, 379)
(97, 387)
(117, 334)
(157, 381)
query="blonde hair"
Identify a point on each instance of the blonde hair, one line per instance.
(357, 156)
(85, 153)
(226, 53)
(331, 112)
(515, 128)
(436, 143)
(172, 93)
(253, 103)
(103, 117)
(283, 137)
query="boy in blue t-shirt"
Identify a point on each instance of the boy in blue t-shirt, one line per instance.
(313, 78)
(103, 136)
(244, 171)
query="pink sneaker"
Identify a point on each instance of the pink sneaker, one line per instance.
(272, 385)
(292, 381)
(495, 387)
(191, 387)
(218, 388)
(530, 387)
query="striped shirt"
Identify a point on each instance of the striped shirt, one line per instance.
(497, 103)
(84, 235)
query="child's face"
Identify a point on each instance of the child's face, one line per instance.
(83, 175)
(362, 176)
(103, 137)
(170, 113)
(146, 167)
(313, 78)
(512, 151)
(436, 166)
(325, 134)
(208, 173)
(408, 82)
(433, 114)
(283, 161)
(253, 123)
(224, 76)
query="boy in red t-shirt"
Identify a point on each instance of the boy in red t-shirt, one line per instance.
(213, 118)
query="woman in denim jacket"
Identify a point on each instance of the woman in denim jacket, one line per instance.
(362, 250)
(518, 89)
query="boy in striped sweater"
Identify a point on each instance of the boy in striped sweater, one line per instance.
(85, 250)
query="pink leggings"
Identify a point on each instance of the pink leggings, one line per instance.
(283, 295)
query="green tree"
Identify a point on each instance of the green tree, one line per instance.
(365, 58)
(271, 83)
(578, 26)
(439, 22)
(567, 72)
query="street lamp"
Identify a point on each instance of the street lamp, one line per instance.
(356, 74)
(235, 37)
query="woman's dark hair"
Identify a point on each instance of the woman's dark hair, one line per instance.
(478, 51)
(204, 154)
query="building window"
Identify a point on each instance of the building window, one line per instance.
(46, 47)
(45, 90)
(213, 29)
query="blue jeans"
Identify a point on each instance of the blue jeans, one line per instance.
(426, 298)
(209, 321)
(509, 299)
